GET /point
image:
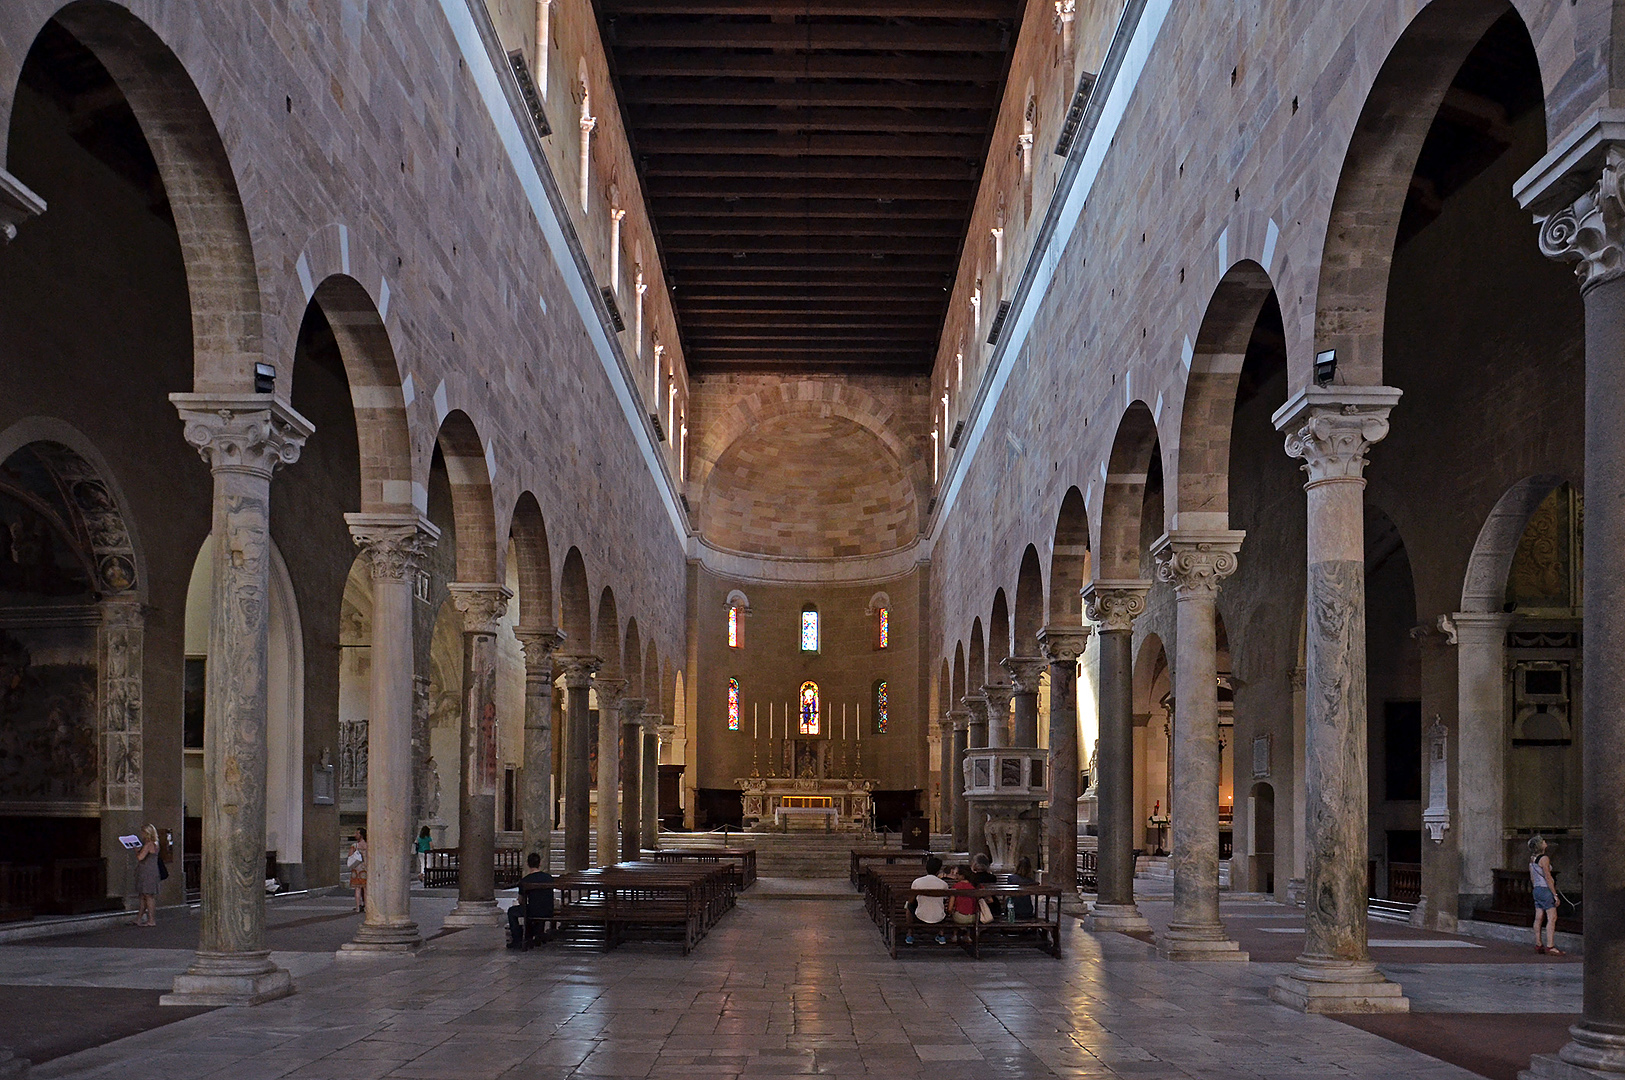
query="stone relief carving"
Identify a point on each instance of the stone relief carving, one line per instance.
(1114, 608)
(121, 648)
(1588, 231)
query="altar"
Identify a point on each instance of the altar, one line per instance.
(823, 793)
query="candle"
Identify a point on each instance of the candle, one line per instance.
(860, 722)
(755, 722)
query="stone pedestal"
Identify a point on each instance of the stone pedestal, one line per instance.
(1331, 428)
(1113, 606)
(609, 690)
(482, 605)
(1062, 646)
(536, 796)
(394, 546)
(1195, 562)
(578, 675)
(245, 439)
(631, 778)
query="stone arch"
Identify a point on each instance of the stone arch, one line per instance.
(607, 637)
(998, 638)
(632, 659)
(1029, 613)
(1123, 501)
(976, 671)
(223, 281)
(1351, 294)
(528, 533)
(958, 689)
(575, 603)
(1069, 561)
(1200, 497)
(479, 558)
(1484, 586)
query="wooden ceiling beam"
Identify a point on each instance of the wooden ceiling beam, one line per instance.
(866, 305)
(816, 94)
(679, 214)
(850, 247)
(788, 224)
(810, 144)
(885, 9)
(810, 168)
(688, 33)
(775, 187)
(695, 64)
(660, 118)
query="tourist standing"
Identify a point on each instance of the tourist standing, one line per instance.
(357, 862)
(147, 876)
(1540, 881)
(422, 846)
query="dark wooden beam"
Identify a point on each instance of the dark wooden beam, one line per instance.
(789, 224)
(861, 304)
(698, 212)
(836, 168)
(860, 187)
(915, 247)
(651, 33)
(647, 119)
(658, 63)
(810, 144)
(884, 9)
(816, 94)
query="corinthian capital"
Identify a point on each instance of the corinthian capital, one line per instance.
(539, 646)
(1024, 672)
(1195, 562)
(975, 708)
(1063, 644)
(609, 692)
(998, 697)
(482, 604)
(1590, 230)
(395, 545)
(579, 670)
(1331, 428)
(632, 709)
(242, 433)
(1114, 605)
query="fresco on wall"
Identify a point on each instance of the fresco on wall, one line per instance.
(47, 722)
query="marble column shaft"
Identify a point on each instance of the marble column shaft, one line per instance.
(1062, 645)
(394, 546)
(1024, 672)
(1195, 563)
(1331, 428)
(609, 769)
(483, 606)
(536, 796)
(945, 773)
(631, 778)
(650, 776)
(1480, 750)
(1113, 607)
(244, 439)
(578, 676)
(955, 777)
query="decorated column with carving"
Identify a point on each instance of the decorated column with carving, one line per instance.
(1024, 674)
(1578, 195)
(483, 606)
(394, 546)
(609, 769)
(954, 778)
(999, 696)
(536, 799)
(650, 780)
(1062, 646)
(1113, 606)
(975, 738)
(631, 778)
(578, 674)
(1195, 562)
(245, 439)
(1331, 428)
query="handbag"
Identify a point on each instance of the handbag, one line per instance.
(354, 860)
(984, 914)
(163, 871)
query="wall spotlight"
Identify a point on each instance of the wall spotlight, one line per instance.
(264, 379)
(1325, 367)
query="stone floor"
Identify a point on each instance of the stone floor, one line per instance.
(782, 987)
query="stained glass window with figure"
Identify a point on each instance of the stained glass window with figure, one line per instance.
(809, 708)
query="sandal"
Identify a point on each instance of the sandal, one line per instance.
(1540, 948)
(1553, 950)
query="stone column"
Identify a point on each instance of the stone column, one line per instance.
(945, 774)
(1062, 645)
(1113, 606)
(609, 769)
(631, 778)
(1581, 195)
(976, 737)
(482, 605)
(394, 546)
(1024, 672)
(959, 824)
(578, 673)
(1480, 751)
(999, 696)
(244, 439)
(536, 799)
(649, 733)
(1195, 562)
(1331, 428)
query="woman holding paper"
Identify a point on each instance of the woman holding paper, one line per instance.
(147, 878)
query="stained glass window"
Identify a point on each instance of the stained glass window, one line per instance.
(809, 629)
(733, 704)
(735, 636)
(809, 706)
(882, 618)
(880, 707)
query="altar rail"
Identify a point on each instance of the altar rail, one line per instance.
(440, 868)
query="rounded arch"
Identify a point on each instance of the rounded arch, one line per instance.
(998, 638)
(1150, 666)
(652, 689)
(1484, 586)
(1123, 501)
(976, 669)
(479, 558)
(528, 532)
(575, 602)
(958, 690)
(1200, 496)
(943, 688)
(632, 659)
(1029, 613)
(1069, 561)
(607, 641)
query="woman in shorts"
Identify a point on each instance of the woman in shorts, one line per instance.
(1540, 881)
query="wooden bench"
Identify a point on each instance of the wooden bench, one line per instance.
(861, 857)
(742, 860)
(888, 892)
(645, 901)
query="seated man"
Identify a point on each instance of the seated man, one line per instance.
(537, 903)
(929, 909)
(1023, 905)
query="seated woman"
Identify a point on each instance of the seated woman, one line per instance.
(964, 907)
(982, 875)
(1023, 905)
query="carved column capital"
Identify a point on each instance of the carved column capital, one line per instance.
(1114, 605)
(395, 545)
(255, 434)
(1590, 231)
(1332, 427)
(650, 723)
(17, 205)
(540, 645)
(975, 708)
(631, 709)
(579, 670)
(997, 696)
(1024, 672)
(1063, 644)
(482, 603)
(1195, 562)
(959, 719)
(609, 692)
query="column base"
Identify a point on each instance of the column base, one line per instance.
(1589, 1055)
(401, 939)
(474, 913)
(1073, 904)
(1338, 986)
(1199, 943)
(1123, 918)
(229, 979)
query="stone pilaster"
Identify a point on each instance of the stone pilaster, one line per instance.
(954, 779)
(483, 606)
(1331, 428)
(1113, 606)
(394, 546)
(245, 439)
(17, 205)
(609, 692)
(1195, 562)
(650, 780)
(998, 696)
(536, 800)
(1578, 193)
(578, 676)
(1024, 672)
(631, 709)
(1062, 646)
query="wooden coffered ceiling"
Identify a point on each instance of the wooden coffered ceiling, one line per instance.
(810, 167)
